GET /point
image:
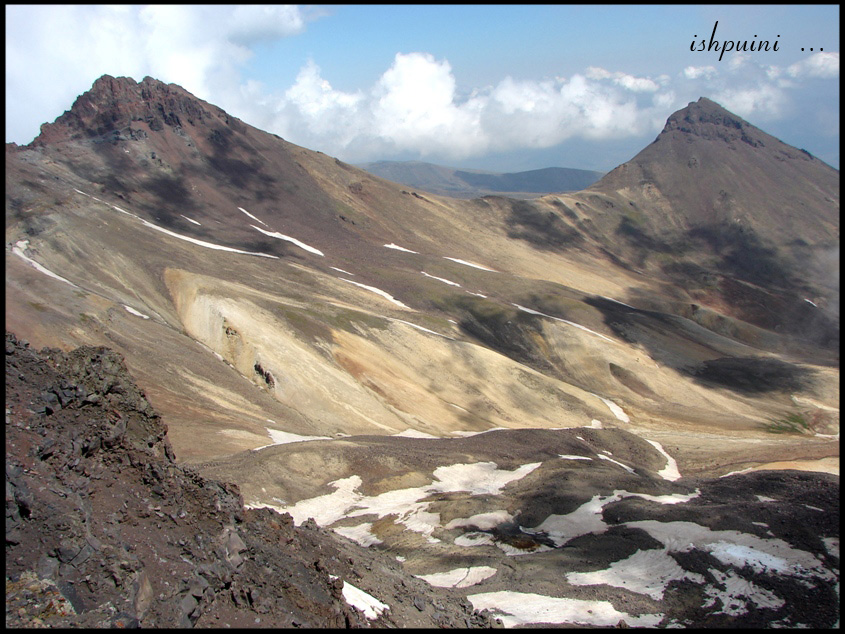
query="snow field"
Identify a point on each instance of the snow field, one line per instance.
(521, 608)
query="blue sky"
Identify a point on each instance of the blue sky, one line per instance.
(500, 87)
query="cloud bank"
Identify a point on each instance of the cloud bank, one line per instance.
(415, 108)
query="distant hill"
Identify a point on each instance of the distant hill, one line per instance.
(463, 183)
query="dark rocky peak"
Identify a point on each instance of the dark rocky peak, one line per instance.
(114, 103)
(708, 120)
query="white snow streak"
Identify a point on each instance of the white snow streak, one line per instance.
(135, 312)
(20, 249)
(341, 270)
(440, 279)
(201, 243)
(670, 471)
(627, 468)
(253, 217)
(207, 245)
(398, 248)
(465, 263)
(281, 236)
(566, 321)
(408, 323)
(613, 407)
(190, 220)
(616, 301)
(377, 291)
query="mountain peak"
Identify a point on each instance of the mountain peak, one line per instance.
(709, 120)
(113, 103)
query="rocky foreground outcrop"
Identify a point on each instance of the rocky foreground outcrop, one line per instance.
(104, 529)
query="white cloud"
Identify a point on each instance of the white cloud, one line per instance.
(694, 72)
(763, 99)
(820, 65)
(629, 82)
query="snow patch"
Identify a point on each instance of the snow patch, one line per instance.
(628, 574)
(613, 407)
(771, 555)
(362, 534)
(588, 519)
(341, 270)
(482, 521)
(413, 433)
(459, 577)
(670, 471)
(135, 312)
(283, 438)
(190, 220)
(566, 457)
(368, 604)
(521, 608)
(482, 478)
(738, 594)
(377, 291)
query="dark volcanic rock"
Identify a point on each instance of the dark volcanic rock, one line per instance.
(114, 103)
(104, 529)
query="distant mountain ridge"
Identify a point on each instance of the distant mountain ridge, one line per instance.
(466, 183)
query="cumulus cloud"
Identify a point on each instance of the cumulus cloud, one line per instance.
(415, 107)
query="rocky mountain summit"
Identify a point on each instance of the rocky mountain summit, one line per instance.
(104, 529)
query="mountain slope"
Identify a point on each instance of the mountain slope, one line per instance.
(264, 294)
